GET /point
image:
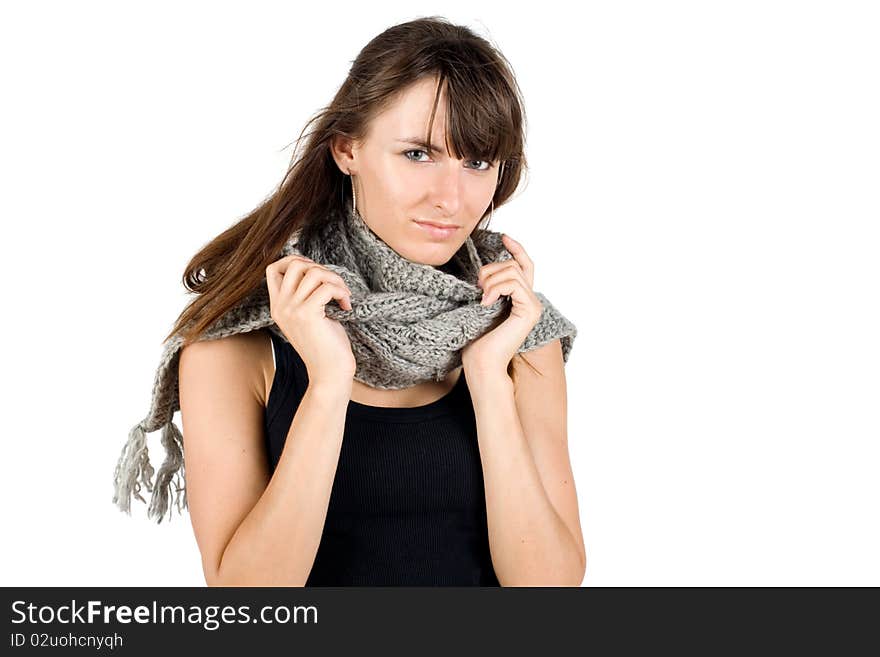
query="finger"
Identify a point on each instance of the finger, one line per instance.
(502, 281)
(512, 288)
(294, 273)
(327, 291)
(311, 279)
(516, 249)
(293, 269)
(518, 252)
(509, 273)
(282, 264)
(273, 282)
(494, 267)
(284, 267)
(524, 304)
(331, 276)
(290, 270)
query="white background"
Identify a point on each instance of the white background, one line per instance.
(702, 204)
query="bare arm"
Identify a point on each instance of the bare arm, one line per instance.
(254, 529)
(534, 531)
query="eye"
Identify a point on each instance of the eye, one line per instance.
(486, 162)
(414, 150)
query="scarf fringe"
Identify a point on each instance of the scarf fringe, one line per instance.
(134, 472)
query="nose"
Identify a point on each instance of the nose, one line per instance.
(446, 192)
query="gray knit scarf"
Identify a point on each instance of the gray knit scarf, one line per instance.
(408, 324)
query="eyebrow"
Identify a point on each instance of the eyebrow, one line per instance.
(418, 141)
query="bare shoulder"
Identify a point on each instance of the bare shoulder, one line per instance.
(243, 357)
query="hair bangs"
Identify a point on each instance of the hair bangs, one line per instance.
(483, 114)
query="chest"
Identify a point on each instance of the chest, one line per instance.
(418, 395)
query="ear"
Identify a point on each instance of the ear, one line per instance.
(344, 151)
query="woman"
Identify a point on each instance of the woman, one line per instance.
(337, 445)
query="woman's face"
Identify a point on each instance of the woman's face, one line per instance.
(400, 183)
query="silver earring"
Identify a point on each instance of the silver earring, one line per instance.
(353, 196)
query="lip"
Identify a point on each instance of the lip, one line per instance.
(439, 231)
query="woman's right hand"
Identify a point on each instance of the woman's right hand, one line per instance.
(299, 288)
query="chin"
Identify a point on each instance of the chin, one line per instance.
(434, 255)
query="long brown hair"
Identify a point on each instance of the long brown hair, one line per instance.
(485, 121)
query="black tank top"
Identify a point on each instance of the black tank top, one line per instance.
(407, 506)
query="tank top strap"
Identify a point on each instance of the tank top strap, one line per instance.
(290, 380)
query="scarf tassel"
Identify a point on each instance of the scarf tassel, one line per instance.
(134, 472)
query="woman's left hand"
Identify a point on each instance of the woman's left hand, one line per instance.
(494, 350)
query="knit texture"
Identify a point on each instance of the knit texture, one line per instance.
(408, 324)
